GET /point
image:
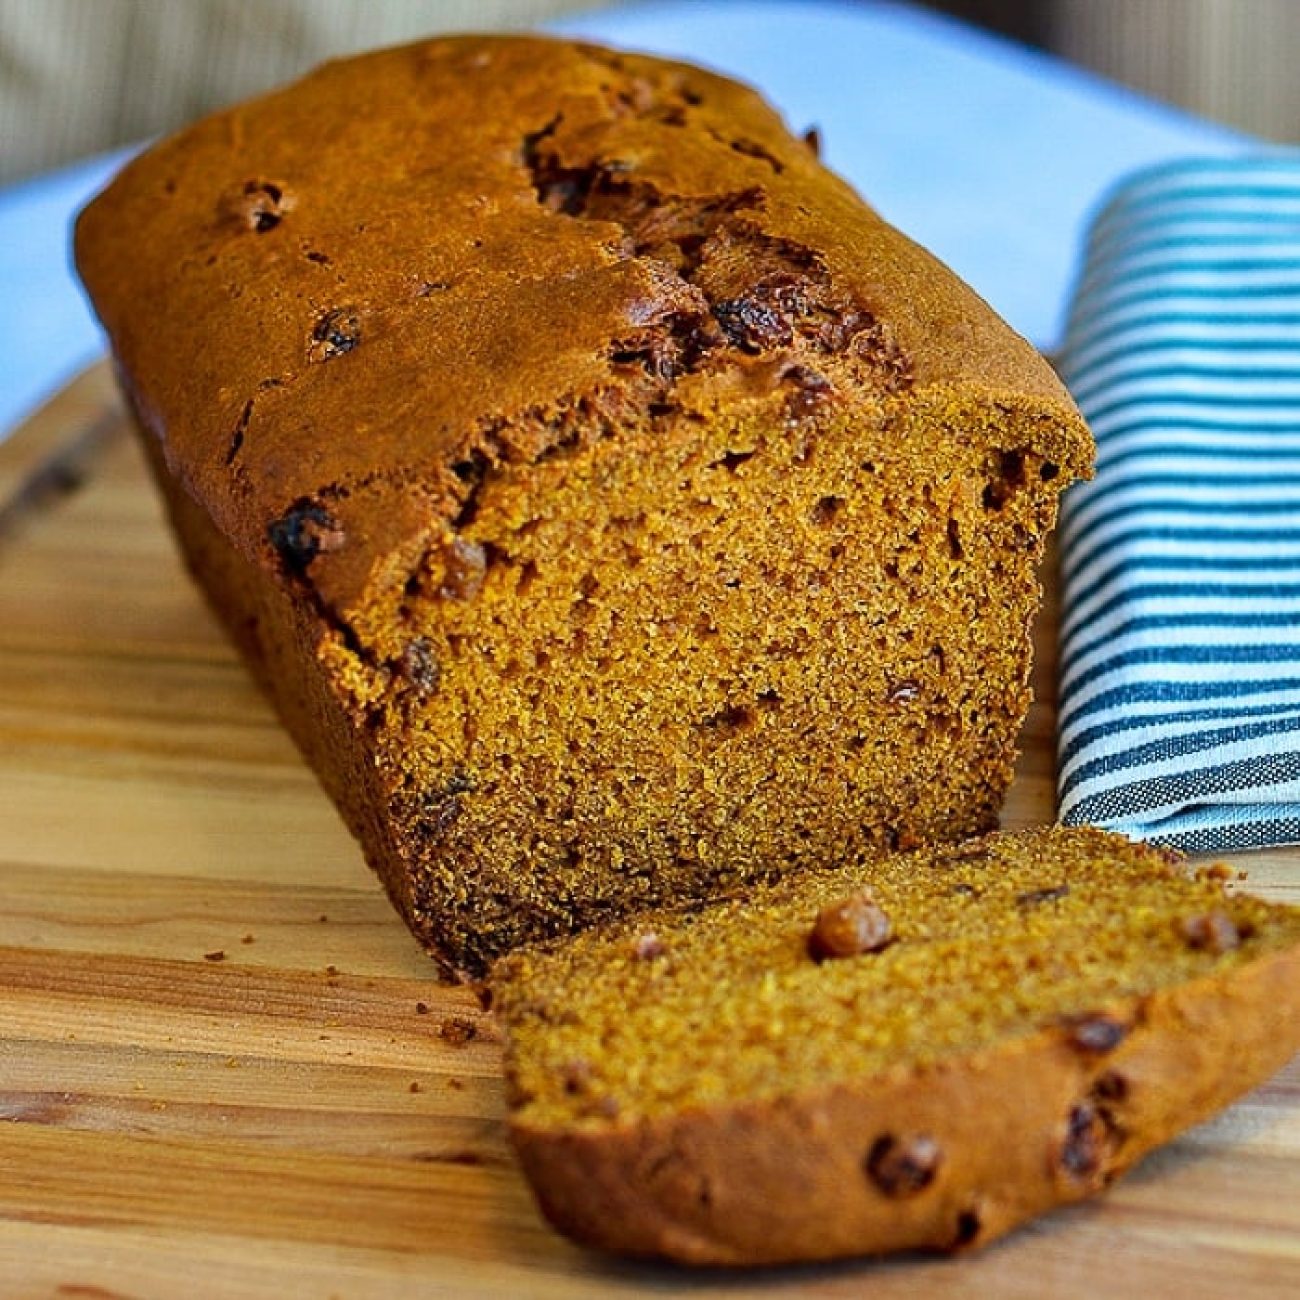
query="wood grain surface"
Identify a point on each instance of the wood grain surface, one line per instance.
(225, 1068)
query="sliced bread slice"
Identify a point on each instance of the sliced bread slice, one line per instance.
(912, 1051)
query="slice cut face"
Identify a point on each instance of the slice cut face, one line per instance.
(910, 1051)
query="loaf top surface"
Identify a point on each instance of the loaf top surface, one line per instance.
(364, 289)
(878, 968)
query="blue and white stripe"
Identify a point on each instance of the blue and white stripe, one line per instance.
(1180, 562)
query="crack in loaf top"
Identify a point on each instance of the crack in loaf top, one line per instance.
(415, 265)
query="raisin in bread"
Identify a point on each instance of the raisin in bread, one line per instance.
(912, 1051)
(616, 508)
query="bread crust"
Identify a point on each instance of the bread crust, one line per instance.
(1017, 1129)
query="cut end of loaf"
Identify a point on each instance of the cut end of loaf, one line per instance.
(911, 1051)
(624, 680)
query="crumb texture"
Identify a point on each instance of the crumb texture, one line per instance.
(993, 937)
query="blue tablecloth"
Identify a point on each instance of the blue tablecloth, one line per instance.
(991, 155)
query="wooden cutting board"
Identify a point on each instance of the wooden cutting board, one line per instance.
(225, 1068)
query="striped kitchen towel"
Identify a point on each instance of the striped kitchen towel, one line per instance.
(1180, 562)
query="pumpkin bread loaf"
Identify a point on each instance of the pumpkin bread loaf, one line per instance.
(911, 1051)
(616, 508)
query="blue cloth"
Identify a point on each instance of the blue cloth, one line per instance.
(51, 334)
(1180, 640)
